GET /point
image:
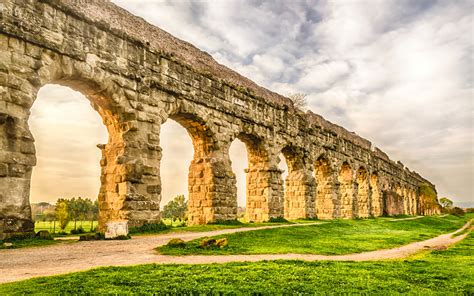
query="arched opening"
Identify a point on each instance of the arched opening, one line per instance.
(363, 192)
(67, 132)
(211, 183)
(375, 196)
(240, 167)
(327, 206)
(346, 191)
(262, 181)
(176, 155)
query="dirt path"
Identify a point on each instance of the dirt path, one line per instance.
(19, 264)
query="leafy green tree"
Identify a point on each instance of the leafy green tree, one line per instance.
(176, 208)
(62, 213)
(51, 217)
(73, 210)
(446, 203)
(93, 212)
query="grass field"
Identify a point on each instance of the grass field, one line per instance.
(448, 272)
(49, 225)
(329, 238)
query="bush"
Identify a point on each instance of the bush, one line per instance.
(43, 234)
(78, 231)
(225, 222)
(90, 237)
(277, 220)
(470, 210)
(149, 228)
(457, 212)
(176, 243)
(120, 237)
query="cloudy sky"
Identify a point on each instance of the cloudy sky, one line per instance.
(399, 73)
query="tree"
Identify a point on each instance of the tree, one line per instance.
(51, 217)
(299, 100)
(62, 214)
(93, 212)
(446, 203)
(73, 210)
(176, 209)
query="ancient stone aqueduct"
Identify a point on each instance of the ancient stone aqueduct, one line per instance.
(136, 77)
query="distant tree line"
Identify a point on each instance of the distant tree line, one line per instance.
(66, 210)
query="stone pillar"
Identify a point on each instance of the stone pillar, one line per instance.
(327, 203)
(375, 197)
(406, 201)
(17, 152)
(264, 194)
(347, 192)
(131, 187)
(363, 194)
(299, 195)
(212, 190)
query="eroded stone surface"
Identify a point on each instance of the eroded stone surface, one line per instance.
(136, 77)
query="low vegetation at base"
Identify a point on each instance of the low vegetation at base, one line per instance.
(26, 242)
(447, 272)
(166, 227)
(53, 227)
(328, 238)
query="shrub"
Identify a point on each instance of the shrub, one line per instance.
(277, 220)
(457, 211)
(43, 234)
(120, 237)
(78, 230)
(149, 228)
(90, 237)
(176, 243)
(226, 222)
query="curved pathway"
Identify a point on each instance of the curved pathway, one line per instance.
(19, 264)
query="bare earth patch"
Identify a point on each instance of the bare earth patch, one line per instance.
(20, 264)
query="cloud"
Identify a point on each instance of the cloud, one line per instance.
(398, 73)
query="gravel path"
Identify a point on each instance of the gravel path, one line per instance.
(19, 264)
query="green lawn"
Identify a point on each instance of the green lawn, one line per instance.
(329, 238)
(449, 272)
(49, 225)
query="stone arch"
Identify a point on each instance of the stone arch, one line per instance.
(121, 172)
(376, 208)
(260, 198)
(347, 190)
(211, 182)
(362, 202)
(327, 206)
(299, 185)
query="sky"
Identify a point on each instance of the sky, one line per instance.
(399, 73)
